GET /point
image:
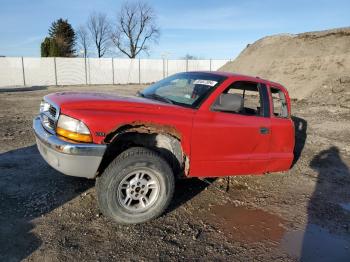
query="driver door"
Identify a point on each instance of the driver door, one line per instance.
(226, 143)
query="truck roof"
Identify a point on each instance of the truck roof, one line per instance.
(251, 78)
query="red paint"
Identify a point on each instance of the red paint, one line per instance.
(217, 143)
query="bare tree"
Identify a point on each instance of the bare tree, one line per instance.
(83, 39)
(135, 28)
(99, 28)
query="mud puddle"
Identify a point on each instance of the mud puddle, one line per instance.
(315, 243)
(247, 225)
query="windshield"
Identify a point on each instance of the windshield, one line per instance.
(186, 89)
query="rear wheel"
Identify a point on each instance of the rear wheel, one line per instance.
(136, 187)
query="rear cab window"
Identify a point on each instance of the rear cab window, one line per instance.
(279, 103)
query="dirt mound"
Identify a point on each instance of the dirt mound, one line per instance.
(311, 64)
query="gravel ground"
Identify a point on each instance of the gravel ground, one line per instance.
(300, 214)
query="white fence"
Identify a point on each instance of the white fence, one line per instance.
(26, 71)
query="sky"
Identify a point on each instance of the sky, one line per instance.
(217, 29)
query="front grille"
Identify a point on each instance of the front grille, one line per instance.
(52, 124)
(49, 118)
(52, 111)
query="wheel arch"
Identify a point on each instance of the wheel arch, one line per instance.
(164, 139)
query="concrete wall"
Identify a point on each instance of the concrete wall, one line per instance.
(28, 71)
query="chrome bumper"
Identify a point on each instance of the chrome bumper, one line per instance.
(81, 160)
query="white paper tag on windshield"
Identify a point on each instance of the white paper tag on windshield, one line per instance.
(205, 82)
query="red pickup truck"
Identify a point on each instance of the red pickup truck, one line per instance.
(193, 124)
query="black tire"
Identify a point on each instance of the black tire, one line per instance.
(109, 186)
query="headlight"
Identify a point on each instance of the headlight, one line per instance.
(44, 106)
(73, 129)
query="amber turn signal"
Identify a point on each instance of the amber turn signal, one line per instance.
(74, 136)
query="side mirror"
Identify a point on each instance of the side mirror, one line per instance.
(228, 103)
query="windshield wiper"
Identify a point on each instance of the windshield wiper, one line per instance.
(158, 97)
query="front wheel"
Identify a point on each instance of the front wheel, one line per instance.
(136, 187)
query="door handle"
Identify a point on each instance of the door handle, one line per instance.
(264, 130)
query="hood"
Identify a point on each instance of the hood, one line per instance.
(90, 100)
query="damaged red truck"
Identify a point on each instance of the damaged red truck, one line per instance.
(193, 124)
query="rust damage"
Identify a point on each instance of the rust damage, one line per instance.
(186, 165)
(143, 127)
(151, 128)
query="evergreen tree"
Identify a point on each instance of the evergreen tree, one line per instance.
(45, 47)
(55, 49)
(61, 40)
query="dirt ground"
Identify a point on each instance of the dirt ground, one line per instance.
(300, 214)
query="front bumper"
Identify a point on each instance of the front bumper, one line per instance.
(81, 160)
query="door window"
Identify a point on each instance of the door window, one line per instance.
(253, 96)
